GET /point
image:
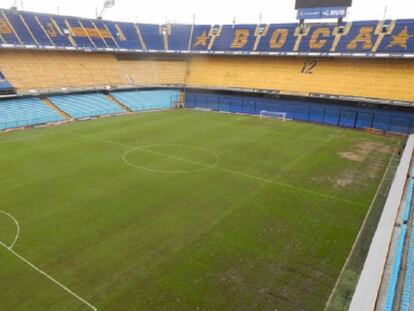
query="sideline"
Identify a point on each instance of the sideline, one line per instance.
(27, 262)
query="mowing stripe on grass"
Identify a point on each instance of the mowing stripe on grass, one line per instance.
(10, 249)
(284, 185)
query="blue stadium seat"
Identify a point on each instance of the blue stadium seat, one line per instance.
(126, 36)
(235, 38)
(147, 100)
(200, 39)
(306, 46)
(179, 38)
(272, 41)
(85, 105)
(56, 34)
(404, 29)
(36, 30)
(107, 35)
(6, 31)
(20, 28)
(23, 112)
(80, 37)
(361, 36)
(151, 36)
(95, 37)
(345, 46)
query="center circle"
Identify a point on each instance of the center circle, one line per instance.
(171, 158)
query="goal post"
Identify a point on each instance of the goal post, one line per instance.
(273, 115)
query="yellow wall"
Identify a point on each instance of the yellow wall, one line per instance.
(376, 78)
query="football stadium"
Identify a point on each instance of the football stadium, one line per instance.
(195, 166)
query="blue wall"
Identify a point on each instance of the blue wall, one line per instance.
(329, 114)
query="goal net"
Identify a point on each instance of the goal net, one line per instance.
(273, 115)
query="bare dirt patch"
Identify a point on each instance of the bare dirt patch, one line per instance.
(360, 151)
(371, 154)
(344, 180)
(352, 156)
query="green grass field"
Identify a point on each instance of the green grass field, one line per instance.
(182, 210)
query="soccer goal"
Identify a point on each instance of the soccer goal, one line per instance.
(273, 115)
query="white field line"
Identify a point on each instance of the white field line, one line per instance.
(17, 228)
(326, 196)
(144, 149)
(10, 249)
(361, 229)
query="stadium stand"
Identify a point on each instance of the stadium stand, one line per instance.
(86, 105)
(154, 72)
(5, 86)
(18, 24)
(105, 34)
(48, 70)
(148, 100)
(355, 77)
(32, 24)
(24, 112)
(95, 35)
(372, 78)
(7, 32)
(179, 37)
(50, 28)
(153, 36)
(365, 38)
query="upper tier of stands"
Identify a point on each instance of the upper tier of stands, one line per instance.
(370, 38)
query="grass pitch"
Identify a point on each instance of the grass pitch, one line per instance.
(182, 210)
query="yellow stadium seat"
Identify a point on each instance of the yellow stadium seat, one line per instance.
(373, 78)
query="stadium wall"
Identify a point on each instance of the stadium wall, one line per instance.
(306, 110)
